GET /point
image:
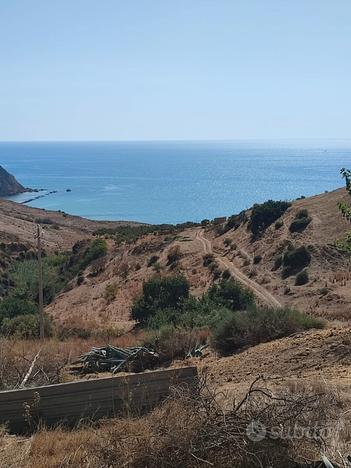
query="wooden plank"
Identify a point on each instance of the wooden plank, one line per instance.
(105, 382)
(93, 399)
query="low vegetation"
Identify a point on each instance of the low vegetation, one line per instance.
(227, 312)
(152, 260)
(130, 233)
(345, 207)
(191, 429)
(248, 328)
(344, 245)
(265, 214)
(301, 221)
(302, 278)
(294, 260)
(168, 293)
(234, 222)
(20, 286)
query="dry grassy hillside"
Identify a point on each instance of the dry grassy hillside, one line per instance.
(328, 291)
(103, 297)
(61, 231)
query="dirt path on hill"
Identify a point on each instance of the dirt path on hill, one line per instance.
(259, 291)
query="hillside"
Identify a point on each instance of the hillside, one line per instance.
(251, 262)
(95, 293)
(9, 185)
(61, 231)
(326, 294)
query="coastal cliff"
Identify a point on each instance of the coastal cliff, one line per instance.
(9, 185)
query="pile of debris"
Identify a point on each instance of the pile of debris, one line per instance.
(113, 359)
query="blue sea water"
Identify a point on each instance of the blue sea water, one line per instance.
(172, 182)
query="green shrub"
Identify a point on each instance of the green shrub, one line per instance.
(216, 273)
(25, 326)
(12, 306)
(265, 214)
(295, 260)
(248, 328)
(110, 292)
(303, 213)
(277, 263)
(43, 221)
(96, 249)
(301, 278)
(157, 267)
(235, 221)
(279, 224)
(300, 224)
(153, 259)
(344, 245)
(174, 255)
(230, 294)
(24, 277)
(174, 343)
(227, 241)
(160, 293)
(207, 260)
(257, 259)
(301, 221)
(226, 274)
(80, 280)
(346, 174)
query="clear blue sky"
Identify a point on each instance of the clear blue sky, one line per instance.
(174, 69)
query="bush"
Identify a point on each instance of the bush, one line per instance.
(247, 328)
(301, 278)
(230, 294)
(279, 224)
(25, 326)
(301, 221)
(110, 292)
(174, 255)
(153, 259)
(257, 259)
(207, 260)
(277, 263)
(295, 260)
(174, 343)
(226, 274)
(235, 221)
(96, 249)
(157, 267)
(227, 241)
(24, 276)
(216, 273)
(12, 306)
(160, 293)
(303, 213)
(299, 224)
(265, 214)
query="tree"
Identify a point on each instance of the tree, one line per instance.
(231, 294)
(160, 293)
(344, 207)
(265, 214)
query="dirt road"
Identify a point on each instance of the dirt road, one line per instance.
(260, 292)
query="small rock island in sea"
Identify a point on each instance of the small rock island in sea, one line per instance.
(9, 185)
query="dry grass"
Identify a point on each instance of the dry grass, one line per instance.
(191, 429)
(16, 357)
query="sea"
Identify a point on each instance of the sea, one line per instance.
(171, 182)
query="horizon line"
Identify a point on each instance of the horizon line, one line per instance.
(180, 140)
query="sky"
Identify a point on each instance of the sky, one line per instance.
(174, 70)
